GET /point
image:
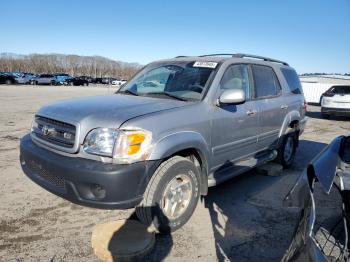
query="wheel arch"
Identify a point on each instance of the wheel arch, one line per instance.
(186, 144)
(290, 124)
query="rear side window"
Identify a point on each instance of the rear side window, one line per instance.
(292, 80)
(340, 90)
(266, 82)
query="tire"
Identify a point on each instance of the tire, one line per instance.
(8, 82)
(325, 116)
(286, 152)
(155, 211)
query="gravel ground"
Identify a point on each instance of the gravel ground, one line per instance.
(242, 219)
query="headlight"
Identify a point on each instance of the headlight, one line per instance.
(100, 141)
(35, 125)
(125, 146)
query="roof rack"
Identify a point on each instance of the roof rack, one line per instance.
(216, 55)
(260, 57)
(239, 55)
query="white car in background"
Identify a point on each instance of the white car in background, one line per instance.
(336, 101)
(118, 82)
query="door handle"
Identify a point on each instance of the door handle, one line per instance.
(284, 106)
(251, 112)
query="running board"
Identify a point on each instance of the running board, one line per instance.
(231, 170)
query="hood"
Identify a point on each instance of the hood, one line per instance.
(105, 111)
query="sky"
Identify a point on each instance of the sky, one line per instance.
(312, 36)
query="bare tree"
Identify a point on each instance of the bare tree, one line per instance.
(95, 66)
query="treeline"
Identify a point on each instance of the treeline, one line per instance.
(320, 74)
(95, 66)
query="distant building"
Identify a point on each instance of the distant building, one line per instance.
(314, 86)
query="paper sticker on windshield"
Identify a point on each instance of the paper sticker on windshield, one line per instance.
(205, 64)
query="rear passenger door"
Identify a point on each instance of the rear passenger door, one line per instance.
(270, 104)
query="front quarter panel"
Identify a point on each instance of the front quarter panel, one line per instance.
(176, 129)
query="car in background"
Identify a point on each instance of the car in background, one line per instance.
(119, 82)
(45, 79)
(24, 78)
(77, 81)
(108, 80)
(97, 80)
(87, 78)
(7, 78)
(61, 78)
(336, 101)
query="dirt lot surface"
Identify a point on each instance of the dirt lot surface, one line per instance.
(241, 220)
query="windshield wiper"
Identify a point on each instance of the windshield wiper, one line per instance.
(127, 91)
(167, 94)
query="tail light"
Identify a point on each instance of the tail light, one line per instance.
(328, 94)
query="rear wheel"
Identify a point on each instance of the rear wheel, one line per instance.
(8, 82)
(286, 152)
(171, 195)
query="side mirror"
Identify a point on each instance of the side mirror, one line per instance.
(232, 96)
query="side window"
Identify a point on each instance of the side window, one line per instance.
(236, 77)
(292, 80)
(266, 82)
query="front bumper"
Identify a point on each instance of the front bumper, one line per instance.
(83, 181)
(335, 111)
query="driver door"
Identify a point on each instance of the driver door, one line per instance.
(234, 127)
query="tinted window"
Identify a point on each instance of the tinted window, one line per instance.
(236, 77)
(341, 90)
(266, 83)
(292, 80)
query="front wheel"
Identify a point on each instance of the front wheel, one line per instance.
(171, 195)
(286, 152)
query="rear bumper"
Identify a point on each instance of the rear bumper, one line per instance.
(335, 111)
(83, 181)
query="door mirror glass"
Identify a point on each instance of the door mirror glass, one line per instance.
(232, 96)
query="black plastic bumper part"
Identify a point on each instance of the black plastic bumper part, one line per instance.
(83, 181)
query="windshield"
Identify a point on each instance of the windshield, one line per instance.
(180, 80)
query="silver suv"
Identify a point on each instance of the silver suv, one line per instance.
(176, 128)
(44, 79)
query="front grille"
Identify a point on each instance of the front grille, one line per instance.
(55, 132)
(58, 182)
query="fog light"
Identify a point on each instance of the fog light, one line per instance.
(98, 191)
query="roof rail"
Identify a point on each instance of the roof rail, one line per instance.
(260, 57)
(216, 55)
(239, 55)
